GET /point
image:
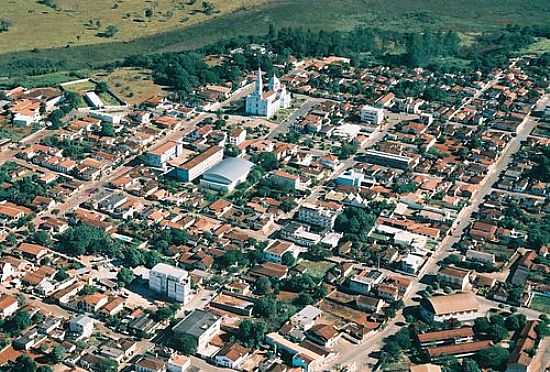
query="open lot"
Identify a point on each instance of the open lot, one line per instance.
(541, 303)
(131, 84)
(76, 22)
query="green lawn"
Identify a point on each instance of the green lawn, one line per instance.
(541, 303)
(316, 269)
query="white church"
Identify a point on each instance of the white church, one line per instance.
(267, 103)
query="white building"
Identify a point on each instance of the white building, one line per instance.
(323, 215)
(372, 115)
(171, 282)
(226, 175)
(160, 154)
(195, 167)
(201, 325)
(276, 250)
(267, 103)
(461, 306)
(237, 136)
(83, 326)
(8, 306)
(484, 257)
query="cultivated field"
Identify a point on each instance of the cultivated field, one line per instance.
(79, 22)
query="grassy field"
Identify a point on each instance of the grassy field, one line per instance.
(316, 269)
(541, 303)
(131, 84)
(77, 22)
(54, 33)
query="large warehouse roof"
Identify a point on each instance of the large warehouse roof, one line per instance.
(229, 170)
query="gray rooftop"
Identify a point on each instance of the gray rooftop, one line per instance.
(196, 323)
(229, 170)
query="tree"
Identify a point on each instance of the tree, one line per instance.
(252, 333)
(164, 313)
(494, 357)
(481, 326)
(125, 277)
(304, 299)
(232, 151)
(44, 369)
(287, 205)
(515, 322)
(57, 354)
(107, 129)
(108, 365)
(262, 285)
(288, 259)
(61, 275)
(267, 160)
(110, 31)
(265, 307)
(5, 24)
(207, 7)
(102, 87)
(186, 344)
(20, 321)
(470, 365)
(41, 237)
(24, 363)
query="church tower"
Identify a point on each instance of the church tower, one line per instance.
(259, 83)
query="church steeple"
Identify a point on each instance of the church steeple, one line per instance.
(259, 83)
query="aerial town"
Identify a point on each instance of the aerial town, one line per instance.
(277, 224)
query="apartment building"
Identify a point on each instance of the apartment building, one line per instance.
(171, 282)
(319, 214)
(372, 115)
(160, 154)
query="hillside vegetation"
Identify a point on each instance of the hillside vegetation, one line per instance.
(54, 32)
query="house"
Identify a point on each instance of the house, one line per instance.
(412, 263)
(277, 249)
(457, 350)
(454, 278)
(369, 303)
(8, 306)
(35, 252)
(150, 365)
(522, 358)
(237, 136)
(82, 326)
(178, 363)
(447, 336)
(306, 318)
(231, 356)
(301, 356)
(428, 367)
(285, 179)
(365, 281)
(200, 324)
(461, 306)
(323, 334)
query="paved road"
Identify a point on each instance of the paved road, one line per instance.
(360, 354)
(306, 107)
